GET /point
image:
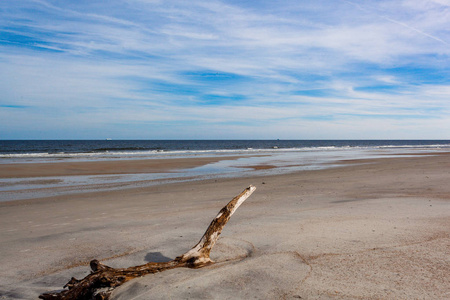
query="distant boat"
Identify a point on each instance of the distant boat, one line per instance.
(108, 139)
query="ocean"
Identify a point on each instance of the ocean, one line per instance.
(283, 156)
(29, 150)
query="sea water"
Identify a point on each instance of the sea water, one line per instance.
(29, 150)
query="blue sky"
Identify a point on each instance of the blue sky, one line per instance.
(285, 69)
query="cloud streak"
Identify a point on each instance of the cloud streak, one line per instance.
(398, 23)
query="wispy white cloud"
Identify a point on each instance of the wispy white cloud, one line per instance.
(336, 68)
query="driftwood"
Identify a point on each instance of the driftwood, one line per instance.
(103, 279)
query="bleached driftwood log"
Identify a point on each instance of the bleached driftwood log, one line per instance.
(103, 279)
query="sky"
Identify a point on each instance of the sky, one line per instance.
(287, 69)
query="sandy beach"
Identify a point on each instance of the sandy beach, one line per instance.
(372, 229)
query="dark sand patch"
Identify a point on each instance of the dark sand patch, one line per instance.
(20, 170)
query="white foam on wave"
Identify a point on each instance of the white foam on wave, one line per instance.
(169, 153)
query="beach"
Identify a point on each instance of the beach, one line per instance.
(367, 229)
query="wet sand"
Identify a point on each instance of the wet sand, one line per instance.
(21, 170)
(378, 230)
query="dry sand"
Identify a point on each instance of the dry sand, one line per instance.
(379, 230)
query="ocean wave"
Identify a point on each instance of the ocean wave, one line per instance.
(116, 149)
(136, 152)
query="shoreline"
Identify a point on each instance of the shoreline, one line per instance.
(40, 180)
(160, 164)
(372, 230)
